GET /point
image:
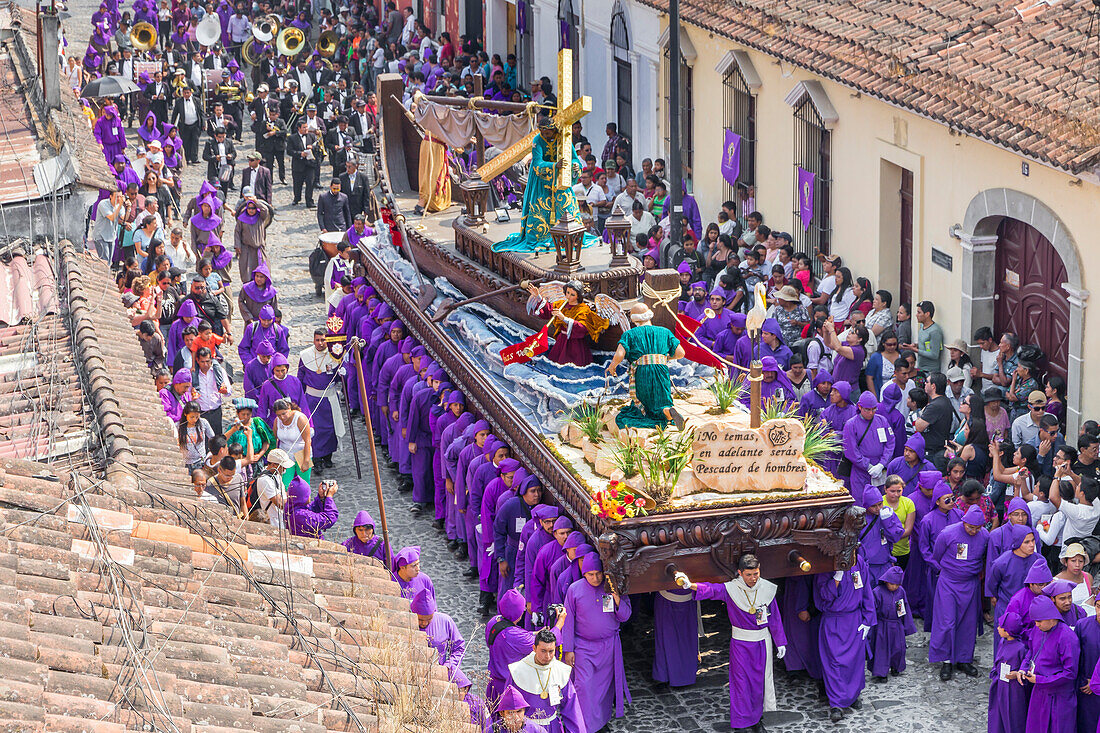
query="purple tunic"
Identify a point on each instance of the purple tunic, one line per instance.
(538, 594)
(591, 632)
(468, 459)
(1004, 580)
(311, 520)
(675, 637)
(384, 373)
(489, 573)
(753, 635)
(444, 637)
(565, 573)
(915, 572)
(877, 538)
(836, 418)
(866, 444)
(374, 547)
(455, 440)
(1008, 698)
(254, 333)
(909, 473)
(887, 639)
(111, 135)
(844, 608)
(928, 529)
(478, 477)
(418, 432)
(276, 389)
(957, 609)
(802, 654)
(1088, 704)
(1053, 704)
(255, 374)
(410, 588)
(511, 520)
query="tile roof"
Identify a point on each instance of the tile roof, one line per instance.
(18, 141)
(128, 604)
(975, 65)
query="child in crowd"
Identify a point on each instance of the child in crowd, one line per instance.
(895, 622)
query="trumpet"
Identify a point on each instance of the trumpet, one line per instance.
(143, 37)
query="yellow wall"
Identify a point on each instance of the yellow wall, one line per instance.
(869, 141)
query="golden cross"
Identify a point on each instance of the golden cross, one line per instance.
(566, 113)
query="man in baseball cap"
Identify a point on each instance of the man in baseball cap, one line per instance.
(957, 391)
(270, 492)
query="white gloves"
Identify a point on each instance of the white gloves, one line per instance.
(838, 575)
(864, 629)
(877, 471)
(886, 512)
(780, 652)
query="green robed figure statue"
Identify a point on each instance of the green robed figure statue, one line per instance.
(544, 202)
(648, 348)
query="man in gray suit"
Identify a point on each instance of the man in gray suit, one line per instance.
(333, 210)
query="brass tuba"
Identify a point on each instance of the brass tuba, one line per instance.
(209, 30)
(249, 53)
(143, 36)
(290, 41)
(326, 44)
(266, 29)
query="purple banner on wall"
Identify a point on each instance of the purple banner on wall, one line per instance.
(731, 157)
(805, 197)
(521, 17)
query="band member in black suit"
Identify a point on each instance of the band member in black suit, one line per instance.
(220, 157)
(187, 116)
(157, 92)
(306, 151)
(258, 177)
(271, 140)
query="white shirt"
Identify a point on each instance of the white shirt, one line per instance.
(408, 30)
(1080, 518)
(640, 226)
(623, 202)
(838, 311)
(989, 364)
(615, 183)
(268, 487)
(209, 397)
(190, 112)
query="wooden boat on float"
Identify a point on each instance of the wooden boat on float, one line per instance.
(792, 536)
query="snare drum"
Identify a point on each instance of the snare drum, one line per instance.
(328, 242)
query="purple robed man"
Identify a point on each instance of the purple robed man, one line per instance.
(532, 539)
(847, 608)
(406, 571)
(454, 438)
(473, 454)
(1088, 702)
(443, 635)
(479, 479)
(363, 540)
(675, 637)
(695, 307)
(503, 484)
(305, 518)
(1061, 592)
(713, 327)
(110, 133)
(888, 408)
(894, 623)
(1036, 579)
(813, 403)
(257, 292)
(942, 514)
(1007, 697)
(418, 435)
(591, 638)
(869, 444)
(187, 315)
(453, 421)
(801, 623)
(507, 641)
(836, 416)
(1004, 538)
(257, 371)
(263, 329)
(1005, 576)
(570, 558)
(921, 496)
(727, 340)
(383, 371)
(320, 381)
(756, 628)
(399, 450)
(546, 686)
(771, 344)
(881, 529)
(959, 555)
(513, 711)
(280, 385)
(910, 463)
(440, 417)
(1050, 664)
(539, 592)
(511, 520)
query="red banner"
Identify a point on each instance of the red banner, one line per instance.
(527, 349)
(698, 354)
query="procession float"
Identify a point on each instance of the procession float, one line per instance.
(730, 474)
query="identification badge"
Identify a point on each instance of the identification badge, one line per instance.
(857, 579)
(1002, 675)
(762, 617)
(882, 434)
(608, 604)
(478, 528)
(883, 539)
(520, 521)
(520, 548)
(900, 606)
(961, 551)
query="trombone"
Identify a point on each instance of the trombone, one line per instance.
(143, 36)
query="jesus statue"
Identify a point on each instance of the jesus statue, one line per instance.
(545, 202)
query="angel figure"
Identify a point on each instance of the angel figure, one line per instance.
(574, 324)
(648, 348)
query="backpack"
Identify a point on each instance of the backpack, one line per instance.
(802, 347)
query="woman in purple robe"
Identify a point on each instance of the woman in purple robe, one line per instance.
(939, 517)
(894, 623)
(256, 293)
(836, 416)
(407, 573)
(1088, 692)
(1050, 665)
(514, 515)
(590, 643)
(911, 463)
(110, 133)
(847, 608)
(363, 540)
(305, 518)
(1007, 697)
(1005, 577)
(150, 129)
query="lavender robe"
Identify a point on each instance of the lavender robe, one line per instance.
(802, 654)
(399, 450)
(908, 473)
(489, 574)
(374, 547)
(254, 334)
(844, 608)
(276, 389)
(418, 432)
(384, 372)
(875, 541)
(1004, 579)
(477, 478)
(957, 609)
(592, 634)
(928, 529)
(111, 135)
(445, 638)
(439, 419)
(866, 444)
(511, 520)
(1053, 704)
(565, 573)
(887, 639)
(311, 520)
(450, 444)
(751, 690)
(255, 374)
(410, 588)
(676, 637)
(469, 458)
(812, 404)
(1088, 705)
(539, 592)
(1008, 698)
(915, 582)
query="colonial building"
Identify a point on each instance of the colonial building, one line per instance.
(954, 149)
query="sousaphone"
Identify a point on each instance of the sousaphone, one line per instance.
(143, 36)
(209, 30)
(326, 44)
(290, 41)
(266, 29)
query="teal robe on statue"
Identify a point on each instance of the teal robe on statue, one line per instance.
(543, 204)
(652, 384)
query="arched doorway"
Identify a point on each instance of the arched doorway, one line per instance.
(1030, 299)
(1009, 236)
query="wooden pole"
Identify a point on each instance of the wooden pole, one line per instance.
(373, 454)
(756, 376)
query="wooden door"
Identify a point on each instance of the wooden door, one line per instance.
(906, 275)
(1030, 300)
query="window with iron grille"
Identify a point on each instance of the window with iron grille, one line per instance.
(813, 152)
(740, 116)
(687, 115)
(620, 42)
